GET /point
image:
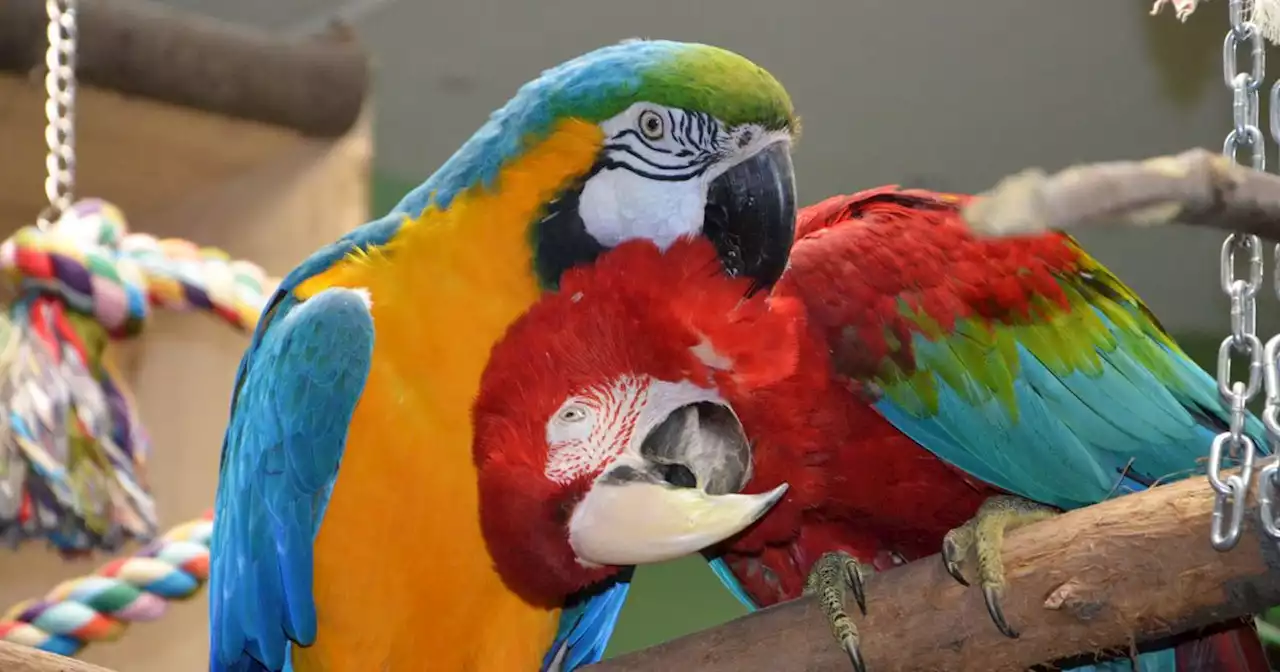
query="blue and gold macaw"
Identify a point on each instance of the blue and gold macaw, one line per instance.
(348, 532)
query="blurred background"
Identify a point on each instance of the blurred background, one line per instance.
(944, 95)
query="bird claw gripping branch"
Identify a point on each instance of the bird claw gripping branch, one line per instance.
(832, 575)
(72, 448)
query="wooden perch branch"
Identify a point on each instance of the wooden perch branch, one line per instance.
(14, 658)
(315, 86)
(1136, 567)
(1197, 187)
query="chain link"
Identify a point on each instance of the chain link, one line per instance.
(1234, 445)
(1269, 476)
(59, 109)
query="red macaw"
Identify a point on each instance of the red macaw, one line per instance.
(916, 387)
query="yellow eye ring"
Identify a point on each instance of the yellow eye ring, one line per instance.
(651, 125)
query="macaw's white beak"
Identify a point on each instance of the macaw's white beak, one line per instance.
(673, 495)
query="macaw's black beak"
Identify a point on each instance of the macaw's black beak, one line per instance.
(751, 215)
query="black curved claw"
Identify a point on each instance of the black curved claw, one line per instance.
(855, 656)
(856, 583)
(992, 597)
(949, 553)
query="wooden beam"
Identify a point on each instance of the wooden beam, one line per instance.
(14, 658)
(314, 86)
(1197, 188)
(1138, 567)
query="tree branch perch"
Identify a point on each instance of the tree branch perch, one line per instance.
(14, 658)
(1197, 188)
(1138, 567)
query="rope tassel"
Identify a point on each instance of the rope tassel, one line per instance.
(73, 450)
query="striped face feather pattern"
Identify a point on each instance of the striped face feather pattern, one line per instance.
(591, 429)
(664, 144)
(595, 427)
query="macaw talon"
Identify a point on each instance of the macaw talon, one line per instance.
(857, 582)
(832, 574)
(981, 540)
(850, 646)
(952, 555)
(991, 595)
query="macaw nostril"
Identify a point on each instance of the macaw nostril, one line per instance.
(678, 475)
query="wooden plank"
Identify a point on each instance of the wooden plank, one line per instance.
(14, 658)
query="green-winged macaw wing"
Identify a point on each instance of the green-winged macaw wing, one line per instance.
(1023, 362)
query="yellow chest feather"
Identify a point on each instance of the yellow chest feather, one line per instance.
(403, 580)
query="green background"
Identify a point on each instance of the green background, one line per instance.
(679, 597)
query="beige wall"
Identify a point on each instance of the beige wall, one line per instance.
(183, 365)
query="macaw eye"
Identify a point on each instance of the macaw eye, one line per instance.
(573, 414)
(651, 125)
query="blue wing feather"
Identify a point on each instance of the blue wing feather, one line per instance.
(585, 629)
(721, 569)
(1075, 435)
(290, 412)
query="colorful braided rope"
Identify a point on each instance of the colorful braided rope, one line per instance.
(98, 607)
(92, 262)
(72, 448)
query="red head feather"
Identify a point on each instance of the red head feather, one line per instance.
(671, 316)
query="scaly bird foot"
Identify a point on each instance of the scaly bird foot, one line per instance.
(834, 573)
(982, 539)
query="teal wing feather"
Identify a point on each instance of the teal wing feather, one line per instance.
(585, 628)
(295, 394)
(1066, 404)
(730, 581)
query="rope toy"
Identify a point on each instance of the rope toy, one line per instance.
(98, 607)
(73, 450)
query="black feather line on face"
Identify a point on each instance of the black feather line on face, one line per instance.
(560, 239)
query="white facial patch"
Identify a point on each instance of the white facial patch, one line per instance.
(653, 185)
(619, 205)
(594, 428)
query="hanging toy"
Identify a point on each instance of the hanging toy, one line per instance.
(72, 448)
(73, 451)
(73, 457)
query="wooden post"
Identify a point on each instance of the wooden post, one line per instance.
(14, 658)
(1135, 568)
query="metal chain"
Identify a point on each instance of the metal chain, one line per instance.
(1232, 492)
(59, 109)
(1269, 476)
